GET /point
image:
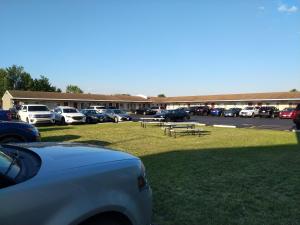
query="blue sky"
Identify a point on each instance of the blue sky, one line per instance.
(160, 46)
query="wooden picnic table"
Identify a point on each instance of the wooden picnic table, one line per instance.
(169, 126)
(151, 120)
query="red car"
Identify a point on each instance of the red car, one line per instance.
(287, 113)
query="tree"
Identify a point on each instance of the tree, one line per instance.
(73, 89)
(3, 81)
(161, 96)
(17, 78)
(294, 90)
(43, 84)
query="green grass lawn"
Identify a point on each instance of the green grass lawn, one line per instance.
(226, 176)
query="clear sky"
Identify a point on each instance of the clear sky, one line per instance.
(175, 47)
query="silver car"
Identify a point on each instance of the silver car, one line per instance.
(53, 184)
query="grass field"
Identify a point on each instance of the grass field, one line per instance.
(226, 176)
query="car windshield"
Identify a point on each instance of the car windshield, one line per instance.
(70, 110)
(37, 108)
(118, 111)
(289, 109)
(8, 166)
(91, 111)
(249, 108)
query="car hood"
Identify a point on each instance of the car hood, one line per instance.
(247, 110)
(58, 157)
(40, 112)
(122, 115)
(73, 114)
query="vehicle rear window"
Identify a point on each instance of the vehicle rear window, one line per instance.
(70, 110)
(7, 166)
(37, 108)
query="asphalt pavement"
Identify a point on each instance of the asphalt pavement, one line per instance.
(257, 123)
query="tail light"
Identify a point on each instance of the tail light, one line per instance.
(9, 116)
(142, 180)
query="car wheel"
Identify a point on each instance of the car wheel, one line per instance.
(88, 120)
(116, 120)
(11, 140)
(63, 121)
(104, 221)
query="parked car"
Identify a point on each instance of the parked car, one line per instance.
(35, 114)
(287, 113)
(232, 112)
(50, 183)
(14, 113)
(145, 111)
(117, 115)
(217, 111)
(173, 115)
(12, 131)
(92, 116)
(268, 111)
(186, 109)
(5, 115)
(200, 110)
(68, 115)
(156, 108)
(297, 117)
(250, 111)
(99, 108)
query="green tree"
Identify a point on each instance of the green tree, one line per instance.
(3, 81)
(17, 78)
(161, 96)
(294, 90)
(43, 84)
(73, 89)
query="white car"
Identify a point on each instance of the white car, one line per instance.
(250, 111)
(34, 114)
(98, 108)
(68, 115)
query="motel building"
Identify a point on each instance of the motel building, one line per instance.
(280, 100)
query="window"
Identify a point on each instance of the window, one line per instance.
(66, 104)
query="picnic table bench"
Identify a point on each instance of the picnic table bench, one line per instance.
(182, 128)
(151, 120)
(190, 131)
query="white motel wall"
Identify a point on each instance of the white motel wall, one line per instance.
(280, 100)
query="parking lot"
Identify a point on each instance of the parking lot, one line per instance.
(257, 123)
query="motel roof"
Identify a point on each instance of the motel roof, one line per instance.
(231, 97)
(39, 95)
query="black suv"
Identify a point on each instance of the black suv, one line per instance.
(173, 115)
(297, 117)
(268, 111)
(145, 111)
(200, 110)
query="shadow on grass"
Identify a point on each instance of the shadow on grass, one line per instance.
(60, 138)
(248, 185)
(54, 128)
(95, 142)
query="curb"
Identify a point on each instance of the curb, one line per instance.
(224, 126)
(296, 131)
